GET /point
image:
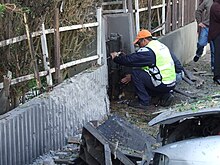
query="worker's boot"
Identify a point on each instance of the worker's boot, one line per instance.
(166, 99)
(196, 58)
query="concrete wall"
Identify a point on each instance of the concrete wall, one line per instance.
(182, 42)
(44, 123)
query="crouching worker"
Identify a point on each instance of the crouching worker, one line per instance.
(154, 73)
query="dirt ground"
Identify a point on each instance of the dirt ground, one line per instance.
(203, 89)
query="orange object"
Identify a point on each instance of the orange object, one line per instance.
(142, 34)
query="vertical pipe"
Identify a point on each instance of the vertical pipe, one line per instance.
(57, 46)
(149, 14)
(183, 8)
(164, 16)
(137, 18)
(45, 56)
(99, 35)
(124, 6)
(130, 10)
(130, 6)
(196, 4)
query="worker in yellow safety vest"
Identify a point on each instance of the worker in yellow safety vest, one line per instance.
(154, 73)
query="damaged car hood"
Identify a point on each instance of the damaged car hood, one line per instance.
(170, 117)
(200, 151)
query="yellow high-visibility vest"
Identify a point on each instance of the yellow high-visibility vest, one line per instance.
(164, 71)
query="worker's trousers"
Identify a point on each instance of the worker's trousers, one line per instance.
(202, 42)
(145, 89)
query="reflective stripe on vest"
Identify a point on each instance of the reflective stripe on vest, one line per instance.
(164, 71)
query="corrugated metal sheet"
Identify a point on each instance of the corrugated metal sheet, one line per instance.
(44, 123)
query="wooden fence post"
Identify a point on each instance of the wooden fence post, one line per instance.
(168, 17)
(57, 46)
(174, 15)
(31, 48)
(149, 14)
(5, 93)
(180, 13)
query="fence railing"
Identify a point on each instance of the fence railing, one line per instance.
(43, 34)
(172, 14)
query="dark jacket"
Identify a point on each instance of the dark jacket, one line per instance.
(203, 7)
(145, 58)
(137, 59)
(214, 27)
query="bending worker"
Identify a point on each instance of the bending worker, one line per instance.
(156, 74)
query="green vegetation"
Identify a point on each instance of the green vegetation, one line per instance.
(2, 9)
(201, 103)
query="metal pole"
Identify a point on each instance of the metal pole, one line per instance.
(45, 56)
(99, 36)
(164, 16)
(124, 6)
(130, 10)
(137, 20)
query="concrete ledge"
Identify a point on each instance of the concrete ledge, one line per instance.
(182, 42)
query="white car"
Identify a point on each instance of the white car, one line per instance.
(188, 137)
